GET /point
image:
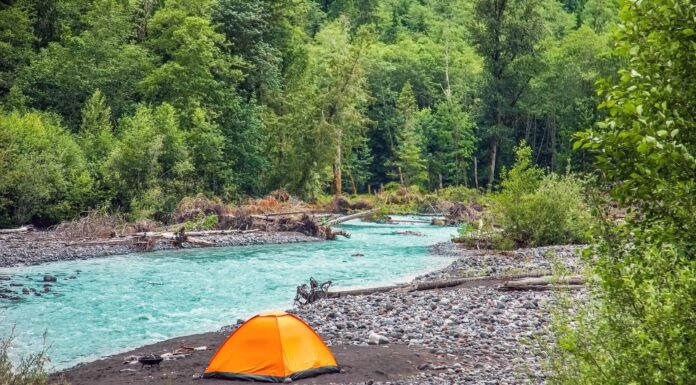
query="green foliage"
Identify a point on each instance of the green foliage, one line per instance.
(16, 41)
(45, 177)
(458, 194)
(202, 223)
(148, 166)
(638, 327)
(409, 160)
(534, 209)
(304, 95)
(31, 370)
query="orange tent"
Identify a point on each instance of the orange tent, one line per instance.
(271, 347)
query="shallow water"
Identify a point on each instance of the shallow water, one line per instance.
(108, 305)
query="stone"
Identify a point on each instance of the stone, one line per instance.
(49, 278)
(377, 339)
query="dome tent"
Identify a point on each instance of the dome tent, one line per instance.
(272, 347)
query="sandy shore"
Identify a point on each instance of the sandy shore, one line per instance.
(472, 334)
(44, 246)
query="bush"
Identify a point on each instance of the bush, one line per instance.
(538, 210)
(30, 371)
(44, 177)
(458, 194)
(202, 223)
(639, 326)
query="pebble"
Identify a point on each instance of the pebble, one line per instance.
(481, 334)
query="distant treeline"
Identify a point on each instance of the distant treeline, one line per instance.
(130, 105)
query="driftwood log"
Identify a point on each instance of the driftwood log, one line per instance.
(346, 218)
(312, 293)
(428, 285)
(23, 229)
(408, 221)
(545, 283)
(440, 284)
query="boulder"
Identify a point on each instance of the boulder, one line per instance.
(49, 278)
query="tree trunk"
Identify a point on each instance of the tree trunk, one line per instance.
(476, 172)
(401, 176)
(353, 188)
(337, 188)
(494, 153)
(369, 189)
(440, 180)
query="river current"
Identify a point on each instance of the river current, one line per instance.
(104, 306)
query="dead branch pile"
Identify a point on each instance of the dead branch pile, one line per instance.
(281, 195)
(457, 212)
(192, 208)
(240, 220)
(312, 293)
(141, 226)
(306, 225)
(341, 205)
(91, 225)
(276, 202)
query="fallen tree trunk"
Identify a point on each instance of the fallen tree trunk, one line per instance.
(169, 234)
(545, 283)
(546, 280)
(409, 221)
(541, 287)
(349, 217)
(23, 229)
(420, 286)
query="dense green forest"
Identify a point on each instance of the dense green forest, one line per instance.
(130, 105)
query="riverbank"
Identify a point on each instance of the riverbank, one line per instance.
(472, 334)
(38, 247)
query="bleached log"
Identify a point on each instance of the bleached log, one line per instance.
(23, 229)
(409, 221)
(546, 280)
(429, 285)
(540, 287)
(346, 218)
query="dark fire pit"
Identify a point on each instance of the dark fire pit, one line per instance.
(150, 360)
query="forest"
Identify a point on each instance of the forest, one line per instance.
(572, 122)
(130, 105)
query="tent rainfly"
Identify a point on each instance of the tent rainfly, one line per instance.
(272, 347)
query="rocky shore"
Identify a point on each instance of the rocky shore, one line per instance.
(478, 334)
(42, 246)
(470, 334)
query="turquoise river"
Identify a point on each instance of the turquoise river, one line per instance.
(104, 306)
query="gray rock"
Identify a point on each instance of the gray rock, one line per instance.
(49, 278)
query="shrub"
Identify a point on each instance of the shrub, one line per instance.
(538, 210)
(44, 177)
(30, 371)
(639, 326)
(458, 194)
(191, 208)
(203, 222)
(391, 187)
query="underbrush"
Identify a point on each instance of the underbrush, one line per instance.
(537, 209)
